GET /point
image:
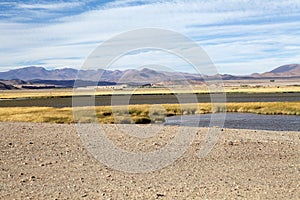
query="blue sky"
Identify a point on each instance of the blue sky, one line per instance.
(240, 36)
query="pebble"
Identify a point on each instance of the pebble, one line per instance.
(160, 195)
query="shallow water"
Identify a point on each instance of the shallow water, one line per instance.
(240, 121)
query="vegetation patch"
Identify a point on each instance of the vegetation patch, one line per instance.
(54, 93)
(139, 114)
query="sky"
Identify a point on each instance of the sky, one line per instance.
(240, 36)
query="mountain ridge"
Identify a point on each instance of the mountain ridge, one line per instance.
(144, 75)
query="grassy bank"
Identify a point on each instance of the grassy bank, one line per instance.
(139, 113)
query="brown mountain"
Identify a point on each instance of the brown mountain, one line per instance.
(131, 75)
(145, 75)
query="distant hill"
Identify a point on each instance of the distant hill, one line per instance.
(30, 73)
(291, 70)
(71, 83)
(4, 86)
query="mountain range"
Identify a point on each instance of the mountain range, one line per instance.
(130, 75)
(39, 75)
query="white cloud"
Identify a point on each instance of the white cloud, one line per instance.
(50, 6)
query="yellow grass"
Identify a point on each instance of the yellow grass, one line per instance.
(50, 93)
(138, 113)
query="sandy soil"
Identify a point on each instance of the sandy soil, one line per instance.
(44, 161)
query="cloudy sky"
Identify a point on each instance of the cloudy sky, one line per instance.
(240, 36)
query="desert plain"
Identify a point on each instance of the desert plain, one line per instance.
(49, 161)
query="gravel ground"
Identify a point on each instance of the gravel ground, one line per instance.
(49, 161)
